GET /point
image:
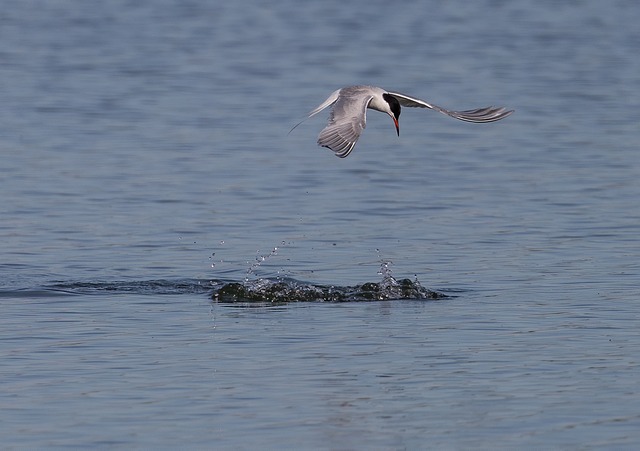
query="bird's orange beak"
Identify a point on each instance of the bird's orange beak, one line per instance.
(395, 122)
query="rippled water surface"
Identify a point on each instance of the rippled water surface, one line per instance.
(177, 271)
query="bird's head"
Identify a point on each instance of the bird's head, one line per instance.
(394, 108)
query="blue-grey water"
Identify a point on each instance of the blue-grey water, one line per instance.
(145, 164)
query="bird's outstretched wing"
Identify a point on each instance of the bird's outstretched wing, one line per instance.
(487, 114)
(347, 120)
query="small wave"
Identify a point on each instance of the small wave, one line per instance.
(289, 290)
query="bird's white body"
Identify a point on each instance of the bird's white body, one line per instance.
(377, 101)
(348, 116)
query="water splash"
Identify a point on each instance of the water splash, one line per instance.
(388, 281)
(282, 290)
(286, 290)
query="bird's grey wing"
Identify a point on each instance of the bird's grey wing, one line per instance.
(330, 100)
(347, 121)
(487, 114)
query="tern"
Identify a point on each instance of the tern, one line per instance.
(348, 116)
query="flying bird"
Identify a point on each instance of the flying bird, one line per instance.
(348, 116)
